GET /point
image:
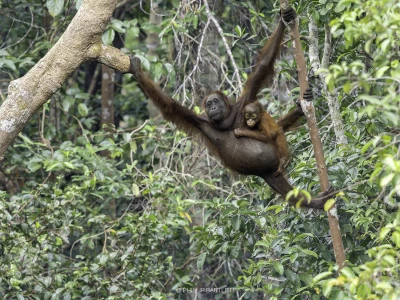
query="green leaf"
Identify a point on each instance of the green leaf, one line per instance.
(55, 7)
(118, 26)
(78, 4)
(228, 211)
(321, 276)
(114, 289)
(158, 71)
(108, 36)
(135, 190)
(363, 291)
(195, 21)
(384, 232)
(386, 180)
(212, 244)
(263, 243)
(301, 237)
(347, 87)
(327, 289)
(134, 31)
(309, 252)
(68, 101)
(347, 272)
(375, 173)
(339, 8)
(53, 166)
(69, 165)
(10, 64)
(145, 62)
(236, 223)
(385, 45)
(381, 71)
(278, 267)
(329, 204)
(25, 139)
(396, 238)
(235, 250)
(83, 109)
(389, 160)
(384, 286)
(366, 147)
(82, 96)
(272, 207)
(133, 145)
(262, 221)
(389, 259)
(201, 259)
(307, 278)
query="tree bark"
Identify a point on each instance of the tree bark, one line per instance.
(207, 75)
(152, 43)
(333, 103)
(79, 43)
(107, 115)
(309, 111)
(107, 96)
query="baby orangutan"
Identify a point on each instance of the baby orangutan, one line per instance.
(259, 125)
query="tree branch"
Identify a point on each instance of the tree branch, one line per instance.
(111, 57)
(79, 43)
(309, 111)
(228, 49)
(333, 103)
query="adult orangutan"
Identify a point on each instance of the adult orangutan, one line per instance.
(244, 155)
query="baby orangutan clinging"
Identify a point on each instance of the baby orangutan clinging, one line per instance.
(259, 125)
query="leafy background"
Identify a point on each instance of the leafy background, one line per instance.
(141, 211)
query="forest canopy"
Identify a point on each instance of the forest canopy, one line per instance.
(101, 198)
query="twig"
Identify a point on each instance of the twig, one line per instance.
(197, 59)
(228, 49)
(27, 32)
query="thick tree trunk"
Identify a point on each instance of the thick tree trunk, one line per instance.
(80, 42)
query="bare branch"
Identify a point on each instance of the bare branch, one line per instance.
(228, 49)
(111, 57)
(197, 59)
(313, 45)
(327, 47)
(309, 111)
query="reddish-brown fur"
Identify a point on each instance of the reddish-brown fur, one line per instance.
(265, 130)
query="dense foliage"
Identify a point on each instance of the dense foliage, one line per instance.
(141, 211)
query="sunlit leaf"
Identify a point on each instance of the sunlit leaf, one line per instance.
(55, 7)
